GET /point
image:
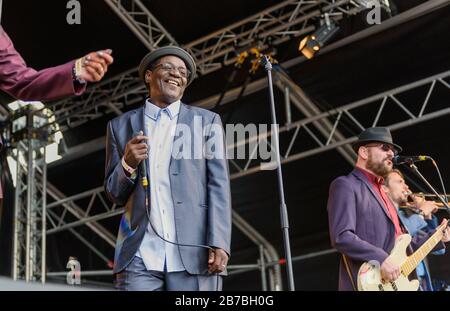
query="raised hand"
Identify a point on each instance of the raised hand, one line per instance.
(93, 66)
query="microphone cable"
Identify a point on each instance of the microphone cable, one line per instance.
(145, 184)
(440, 179)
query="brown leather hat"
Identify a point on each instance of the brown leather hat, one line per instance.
(375, 134)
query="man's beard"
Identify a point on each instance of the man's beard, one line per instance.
(400, 199)
(380, 169)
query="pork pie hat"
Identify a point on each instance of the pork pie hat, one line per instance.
(375, 134)
(156, 54)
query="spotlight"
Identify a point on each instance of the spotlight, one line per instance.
(31, 120)
(311, 44)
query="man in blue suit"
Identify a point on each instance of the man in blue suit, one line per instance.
(180, 240)
(363, 221)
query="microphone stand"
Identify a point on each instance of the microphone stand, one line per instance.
(283, 209)
(416, 170)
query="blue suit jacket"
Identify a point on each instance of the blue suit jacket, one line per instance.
(200, 193)
(360, 226)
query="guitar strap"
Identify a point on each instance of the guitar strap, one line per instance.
(349, 272)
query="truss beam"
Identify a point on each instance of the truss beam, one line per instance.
(271, 26)
(142, 23)
(355, 118)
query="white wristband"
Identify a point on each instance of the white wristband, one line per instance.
(77, 69)
(127, 168)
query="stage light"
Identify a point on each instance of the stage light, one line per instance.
(30, 120)
(311, 44)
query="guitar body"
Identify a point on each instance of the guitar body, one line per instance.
(369, 274)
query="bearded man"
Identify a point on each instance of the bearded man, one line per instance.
(362, 219)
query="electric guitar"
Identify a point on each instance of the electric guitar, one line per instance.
(369, 274)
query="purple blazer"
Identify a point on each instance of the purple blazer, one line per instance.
(28, 84)
(25, 83)
(360, 225)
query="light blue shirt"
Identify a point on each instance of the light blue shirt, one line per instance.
(160, 128)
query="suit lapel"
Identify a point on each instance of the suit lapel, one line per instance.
(136, 120)
(185, 115)
(136, 123)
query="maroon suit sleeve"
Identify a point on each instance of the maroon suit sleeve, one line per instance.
(342, 220)
(28, 84)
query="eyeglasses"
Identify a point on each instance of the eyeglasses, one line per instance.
(384, 147)
(184, 72)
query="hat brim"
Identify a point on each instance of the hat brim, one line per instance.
(360, 143)
(151, 57)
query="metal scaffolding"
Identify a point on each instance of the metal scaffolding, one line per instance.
(293, 93)
(29, 241)
(351, 115)
(282, 21)
(270, 27)
(120, 91)
(142, 23)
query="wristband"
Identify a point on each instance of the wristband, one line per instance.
(77, 67)
(127, 168)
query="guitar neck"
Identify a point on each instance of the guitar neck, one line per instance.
(413, 261)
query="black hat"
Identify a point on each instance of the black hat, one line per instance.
(375, 134)
(168, 50)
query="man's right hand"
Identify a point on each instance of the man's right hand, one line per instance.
(136, 150)
(95, 65)
(390, 271)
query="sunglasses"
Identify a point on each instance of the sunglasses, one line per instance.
(384, 147)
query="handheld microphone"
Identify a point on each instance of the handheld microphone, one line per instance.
(143, 167)
(397, 160)
(143, 172)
